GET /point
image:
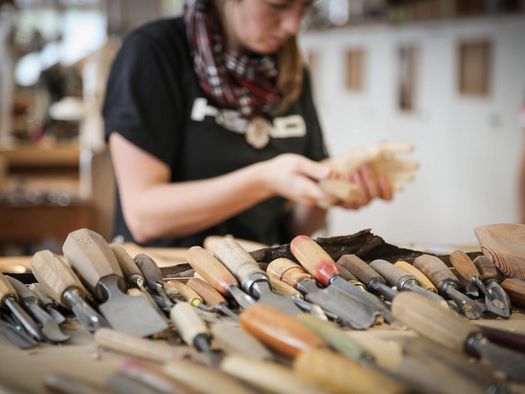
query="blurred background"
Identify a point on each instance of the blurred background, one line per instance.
(447, 76)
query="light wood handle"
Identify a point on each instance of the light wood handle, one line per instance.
(23, 292)
(210, 269)
(149, 269)
(125, 261)
(387, 270)
(342, 375)
(515, 288)
(91, 256)
(358, 267)
(210, 296)
(6, 289)
(186, 292)
(204, 379)
(424, 282)
(234, 340)
(314, 259)
(284, 289)
(463, 265)
(55, 275)
(432, 321)
(277, 330)
(268, 376)
(41, 293)
(434, 269)
(187, 322)
(145, 349)
(486, 268)
(240, 263)
(287, 271)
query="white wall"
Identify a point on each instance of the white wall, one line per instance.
(468, 148)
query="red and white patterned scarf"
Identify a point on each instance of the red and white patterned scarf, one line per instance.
(246, 82)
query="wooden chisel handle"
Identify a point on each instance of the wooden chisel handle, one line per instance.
(149, 269)
(392, 274)
(187, 322)
(359, 268)
(55, 275)
(432, 321)
(486, 268)
(186, 292)
(424, 282)
(515, 288)
(284, 289)
(23, 292)
(125, 261)
(6, 289)
(91, 257)
(435, 270)
(237, 260)
(210, 269)
(278, 330)
(314, 259)
(210, 296)
(342, 375)
(287, 271)
(463, 265)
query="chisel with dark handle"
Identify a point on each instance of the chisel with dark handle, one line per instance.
(95, 262)
(153, 276)
(403, 281)
(468, 271)
(452, 331)
(350, 277)
(278, 330)
(424, 282)
(61, 283)
(375, 282)
(47, 302)
(252, 279)
(30, 300)
(349, 310)
(448, 284)
(489, 276)
(9, 298)
(213, 299)
(217, 275)
(515, 288)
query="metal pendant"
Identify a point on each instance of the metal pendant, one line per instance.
(258, 132)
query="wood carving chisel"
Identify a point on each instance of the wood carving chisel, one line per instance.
(448, 284)
(213, 299)
(424, 282)
(324, 269)
(153, 277)
(30, 300)
(331, 299)
(62, 284)
(489, 276)
(252, 279)
(47, 302)
(94, 260)
(232, 339)
(366, 274)
(15, 336)
(456, 333)
(217, 275)
(403, 281)
(468, 271)
(9, 298)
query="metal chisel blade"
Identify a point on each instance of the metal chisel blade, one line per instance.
(15, 337)
(266, 296)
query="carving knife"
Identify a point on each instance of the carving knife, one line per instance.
(47, 302)
(153, 276)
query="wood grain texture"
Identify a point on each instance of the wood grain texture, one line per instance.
(284, 289)
(358, 267)
(314, 259)
(463, 265)
(387, 270)
(210, 296)
(287, 271)
(424, 282)
(125, 261)
(149, 268)
(434, 269)
(515, 288)
(236, 259)
(187, 322)
(183, 290)
(486, 268)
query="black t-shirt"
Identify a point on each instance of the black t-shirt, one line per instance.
(153, 99)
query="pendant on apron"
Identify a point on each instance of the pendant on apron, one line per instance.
(258, 132)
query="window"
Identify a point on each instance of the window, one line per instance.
(474, 68)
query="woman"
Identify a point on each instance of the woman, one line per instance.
(212, 128)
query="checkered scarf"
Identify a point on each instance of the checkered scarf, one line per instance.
(246, 82)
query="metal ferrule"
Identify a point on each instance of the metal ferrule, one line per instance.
(90, 319)
(307, 285)
(379, 286)
(240, 296)
(248, 282)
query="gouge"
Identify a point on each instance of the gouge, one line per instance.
(47, 302)
(61, 283)
(448, 284)
(468, 271)
(9, 298)
(403, 281)
(50, 327)
(153, 276)
(15, 336)
(214, 300)
(323, 268)
(366, 274)
(94, 260)
(489, 276)
(454, 332)
(217, 275)
(347, 309)
(253, 280)
(424, 282)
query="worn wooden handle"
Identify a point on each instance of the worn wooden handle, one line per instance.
(287, 271)
(515, 288)
(210, 296)
(424, 282)
(435, 270)
(149, 269)
(284, 289)
(234, 340)
(55, 275)
(125, 261)
(236, 259)
(41, 293)
(358, 267)
(187, 322)
(486, 268)
(463, 265)
(342, 375)
(314, 259)
(6, 289)
(432, 321)
(277, 330)
(210, 269)
(23, 292)
(186, 292)
(387, 270)
(91, 256)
